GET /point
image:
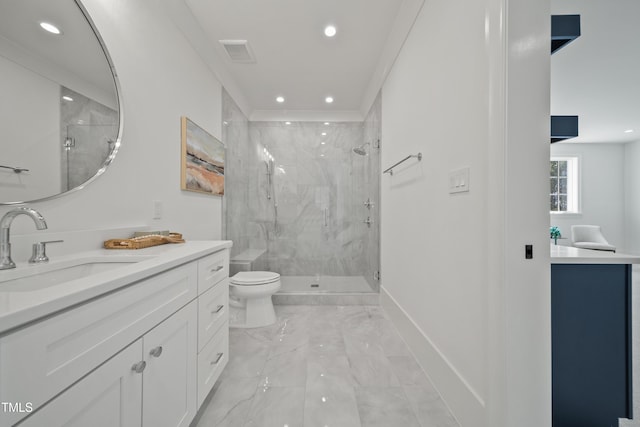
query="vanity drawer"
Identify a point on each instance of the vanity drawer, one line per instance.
(213, 311)
(211, 361)
(41, 360)
(212, 269)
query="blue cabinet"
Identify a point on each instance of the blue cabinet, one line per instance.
(591, 344)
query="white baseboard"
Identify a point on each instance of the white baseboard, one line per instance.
(466, 405)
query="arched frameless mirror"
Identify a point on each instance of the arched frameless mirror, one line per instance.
(60, 113)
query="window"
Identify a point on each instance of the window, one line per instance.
(564, 185)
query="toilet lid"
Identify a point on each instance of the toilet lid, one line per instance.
(254, 278)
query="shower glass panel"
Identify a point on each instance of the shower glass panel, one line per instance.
(313, 205)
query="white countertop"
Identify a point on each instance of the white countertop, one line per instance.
(21, 306)
(571, 255)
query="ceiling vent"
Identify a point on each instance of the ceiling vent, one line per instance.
(238, 51)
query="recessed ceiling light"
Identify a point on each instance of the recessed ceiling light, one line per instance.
(280, 99)
(67, 98)
(322, 143)
(50, 28)
(328, 99)
(287, 123)
(324, 134)
(330, 31)
(326, 123)
(628, 131)
(321, 155)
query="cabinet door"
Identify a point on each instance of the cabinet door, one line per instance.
(110, 396)
(591, 344)
(169, 398)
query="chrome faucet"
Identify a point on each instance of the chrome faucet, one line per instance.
(5, 225)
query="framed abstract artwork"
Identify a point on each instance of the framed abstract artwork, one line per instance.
(202, 160)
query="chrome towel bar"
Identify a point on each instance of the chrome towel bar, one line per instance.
(390, 170)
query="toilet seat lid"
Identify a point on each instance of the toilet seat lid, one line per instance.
(254, 278)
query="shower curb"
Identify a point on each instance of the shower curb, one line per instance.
(326, 299)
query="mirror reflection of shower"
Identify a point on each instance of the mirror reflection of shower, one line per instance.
(88, 135)
(85, 149)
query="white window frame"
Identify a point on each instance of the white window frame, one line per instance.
(573, 185)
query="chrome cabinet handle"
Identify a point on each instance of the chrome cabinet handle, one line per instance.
(139, 367)
(217, 310)
(217, 359)
(156, 352)
(218, 268)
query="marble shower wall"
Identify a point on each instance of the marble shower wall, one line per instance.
(240, 165)
(93, 128)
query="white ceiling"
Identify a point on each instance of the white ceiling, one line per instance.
(597, 76)
(294, 58)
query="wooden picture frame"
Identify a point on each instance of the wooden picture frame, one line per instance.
(203, 156)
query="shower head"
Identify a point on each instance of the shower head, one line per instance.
(360, 150)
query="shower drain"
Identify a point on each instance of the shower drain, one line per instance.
(315, 285)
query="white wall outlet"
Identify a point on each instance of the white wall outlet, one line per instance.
(459, 180)
(157, 209)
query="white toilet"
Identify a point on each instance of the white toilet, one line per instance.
(250, 304)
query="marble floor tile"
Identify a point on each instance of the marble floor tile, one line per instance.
(329, 370)
(408, 371)
(331, 405)
(342, 366)
(244, 341)
(429, 408)
(362, 344)
(289, 343)
(327, 341)
(229, 403)
(245, 365)
(372, 371)
(277, 407)
(385, 407)
(286, 369)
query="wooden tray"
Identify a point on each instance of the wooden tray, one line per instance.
(143, 241)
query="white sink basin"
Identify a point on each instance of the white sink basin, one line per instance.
(37, 277)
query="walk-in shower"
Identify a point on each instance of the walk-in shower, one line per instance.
(313, 215)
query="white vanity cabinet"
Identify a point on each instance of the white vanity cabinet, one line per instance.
(133, 357)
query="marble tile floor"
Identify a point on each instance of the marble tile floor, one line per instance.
(324, 366)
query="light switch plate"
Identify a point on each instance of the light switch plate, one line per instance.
(157, 209)
(459, 181)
